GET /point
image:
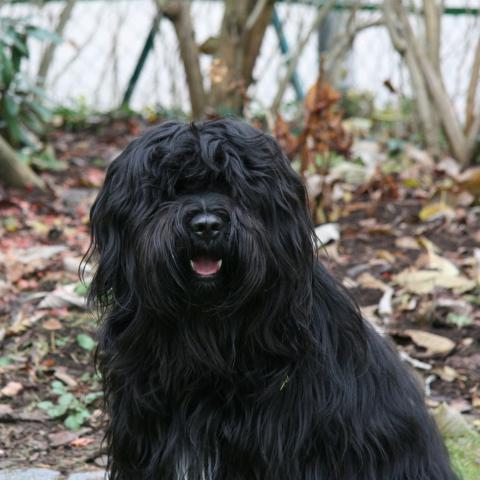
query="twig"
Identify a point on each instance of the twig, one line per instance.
(255, 14)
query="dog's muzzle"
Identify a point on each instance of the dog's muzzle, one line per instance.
(207, 228)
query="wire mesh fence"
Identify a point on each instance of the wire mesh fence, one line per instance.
(103, 40)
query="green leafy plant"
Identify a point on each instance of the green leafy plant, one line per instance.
(23, 111)
(86, 341)
(67, 405)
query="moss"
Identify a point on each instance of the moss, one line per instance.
(465, 454)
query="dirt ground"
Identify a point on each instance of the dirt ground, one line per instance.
(50, 406)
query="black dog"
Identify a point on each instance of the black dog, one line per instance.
(227, 351)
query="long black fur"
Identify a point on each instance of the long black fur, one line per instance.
(266, 371)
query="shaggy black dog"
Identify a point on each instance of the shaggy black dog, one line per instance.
(227, 351)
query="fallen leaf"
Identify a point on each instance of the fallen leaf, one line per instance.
(93, 177)
(387, 256)
(23, 320)
(385, 304)
(63, 296)
(436, 210)
(52, 324)
(85, 341)
(432, 343)
(62, 438)
(425, 281)
(328, 232)
(443, 265)
(11, 389)
(367, 280)
(470, 180)
(82, 442)
(446, 373)
(61, 374)
(29, 255)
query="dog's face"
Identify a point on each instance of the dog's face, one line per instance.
(209, 215)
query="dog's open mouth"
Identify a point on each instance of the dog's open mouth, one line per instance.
(206, 267)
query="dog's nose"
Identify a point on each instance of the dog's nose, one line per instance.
(207, 225)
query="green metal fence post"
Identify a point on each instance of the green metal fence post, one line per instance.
(282, 40)
(149, 42)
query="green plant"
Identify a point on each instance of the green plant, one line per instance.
(465, 452)
(69, 406)
(23, 111)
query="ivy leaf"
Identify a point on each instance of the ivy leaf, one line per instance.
(86, 342)
(76, 420)
(91, 397)
(46, 405)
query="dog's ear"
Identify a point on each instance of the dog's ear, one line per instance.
(110, 217)
(288, 216)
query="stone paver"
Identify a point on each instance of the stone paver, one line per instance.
(30, 474)
(45, 474)
(98, 475)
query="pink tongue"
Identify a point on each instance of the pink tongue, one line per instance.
(205, 266)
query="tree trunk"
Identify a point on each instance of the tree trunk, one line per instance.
(432, 15)
(48, 54)
(13, 172)
(241, 35)
(406, 42)
(425, 110)
(179, 13)
(472, 90)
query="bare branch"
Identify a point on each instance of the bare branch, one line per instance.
(433, 80)
(293, 62)
(48, 54)
(425, 110)
(472, 90)
(343, 43)
(432, 14)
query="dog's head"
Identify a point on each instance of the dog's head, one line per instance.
(209, 215)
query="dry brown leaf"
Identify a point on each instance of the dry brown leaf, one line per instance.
(82, 442)
(367, 280)
(387, 256)
(446, 373)
(435, 210)
(52, 324)
(22, 321)
(11, 389)
(407, 243)
(425, 281)
(61, 374)
(470, 180)
(62, 438)
(442, 264)
(432, 343)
